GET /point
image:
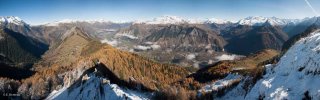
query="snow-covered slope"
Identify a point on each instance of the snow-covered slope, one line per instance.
(93, 87)
(11, 19)
(296, 76)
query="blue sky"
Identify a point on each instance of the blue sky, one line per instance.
(42, 11)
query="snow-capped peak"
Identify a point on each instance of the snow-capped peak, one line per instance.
(11, 19)
(164, 20)
(56, 23)
(259, 20)
(217, 21)
(179, 20)
(253, 20)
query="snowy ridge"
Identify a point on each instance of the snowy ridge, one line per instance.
(164, 20)
(65, 21)
(217, 21)
(11, 19)
(93, 87)
(258, 20)
(179, 20)
(296, 76)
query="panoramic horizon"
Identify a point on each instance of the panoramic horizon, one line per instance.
(159, 49)
(37, 12)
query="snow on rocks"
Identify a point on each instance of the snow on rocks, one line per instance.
(11, 19)
(293, 79)
(258, 20)
(96, 88)
(220, 84)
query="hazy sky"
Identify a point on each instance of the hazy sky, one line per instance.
(42, 11)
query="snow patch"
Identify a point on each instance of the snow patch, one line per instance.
(279, 94)
(267, 83)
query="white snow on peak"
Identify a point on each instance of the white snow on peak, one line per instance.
(295, 76)
(259, 20)
(56, 23)
(11, 19)
(217, 21)
(164, 20)
(179, 20)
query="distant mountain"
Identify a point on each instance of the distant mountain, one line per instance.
(297, 37)
(177, 40)
(16, 24)
(253, 39)
(19, 49)
(143, 36)
(11, 20)
(258, 21)
(187, 38)
(52, 32)
(179, 20)
(137, 60)
(302, 26)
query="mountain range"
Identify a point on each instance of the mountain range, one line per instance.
(165, 58)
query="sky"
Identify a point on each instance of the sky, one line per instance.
(44, 11)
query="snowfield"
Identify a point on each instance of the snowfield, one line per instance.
(296, 76)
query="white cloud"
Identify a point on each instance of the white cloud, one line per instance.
(141, 47)
(128, 36)
(227, 57)
(113, 42)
